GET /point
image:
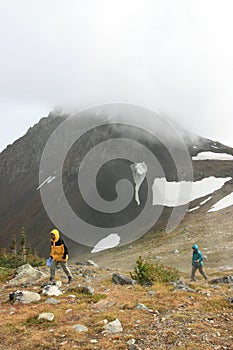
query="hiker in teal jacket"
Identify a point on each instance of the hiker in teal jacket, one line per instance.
(197, 263)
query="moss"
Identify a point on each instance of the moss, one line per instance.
(35, 321)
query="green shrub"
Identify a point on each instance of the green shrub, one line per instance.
(5, 274)
(12, 261)
(146, 273)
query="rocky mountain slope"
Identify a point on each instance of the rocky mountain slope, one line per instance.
(21, 203)
(98, 311)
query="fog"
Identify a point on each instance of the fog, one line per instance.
(172, 56)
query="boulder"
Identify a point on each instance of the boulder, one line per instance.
(80, 328)
(52, 290)
(180, 285)
(113, 327)
(24, 297)
(48, 316)
(27, 275)
(120, 279)
(225, 279)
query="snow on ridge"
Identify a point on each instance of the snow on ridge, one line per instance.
(225, 202)
(213, 156)
(194, 208)
(47, 181)
(205, 201)
(172, 194)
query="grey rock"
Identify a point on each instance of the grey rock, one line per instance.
(151, 293)
(158, 257)
(180, 285)
(175, 251)
(48, 316)
(52, 301)
(225, 279)
(141, 306)
(225, 268)
(24, 297)
(120, 279)
(26, 274)
(83, 290)
(52, 290)
(80, 328)
(113, 327)
(92, 263)
(134, 347)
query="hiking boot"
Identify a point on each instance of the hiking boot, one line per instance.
(70, 279)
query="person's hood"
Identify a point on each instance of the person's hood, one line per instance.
(56, 234)
(195, 246)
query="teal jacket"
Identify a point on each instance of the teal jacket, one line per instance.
(197, 257)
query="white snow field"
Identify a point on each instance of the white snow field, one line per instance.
(110, 241)
(223, 203)
(213, 156)
(173, 194)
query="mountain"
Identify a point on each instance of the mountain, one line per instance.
(29, 177)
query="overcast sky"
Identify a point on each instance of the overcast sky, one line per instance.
(175, 56)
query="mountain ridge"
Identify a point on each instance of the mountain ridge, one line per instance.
(19, 178)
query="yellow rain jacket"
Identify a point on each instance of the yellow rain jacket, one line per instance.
(59, 251)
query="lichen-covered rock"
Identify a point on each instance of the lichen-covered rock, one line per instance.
(24, 297)
(27, 275)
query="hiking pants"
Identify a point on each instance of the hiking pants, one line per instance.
(194, 269)
(64, 266)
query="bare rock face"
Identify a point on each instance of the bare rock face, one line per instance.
(27, 275)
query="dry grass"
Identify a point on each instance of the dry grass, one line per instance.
(177, 320)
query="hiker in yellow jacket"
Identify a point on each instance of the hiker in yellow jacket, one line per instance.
(59, 254)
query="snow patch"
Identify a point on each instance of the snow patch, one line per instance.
(47, 181)
(223, 203)
(139, 171)
(205, 201)
(173, 194)
(213, 156)
(110, 241)
(194, 209)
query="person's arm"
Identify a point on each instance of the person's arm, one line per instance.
(199, 259)
(65, 251)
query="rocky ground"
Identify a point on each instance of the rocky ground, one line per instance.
(96, 312)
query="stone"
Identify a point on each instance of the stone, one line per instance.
(52, 290)
(26, 274)
(92, 263)
(52, 301)
(113, 327)
(141, 306)
(24, 297)
(122, 280)
(84, 290)
(48, 316)
(225, 279)
(134, 347)
(180, 285)
(80, 328)
(175, 251)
